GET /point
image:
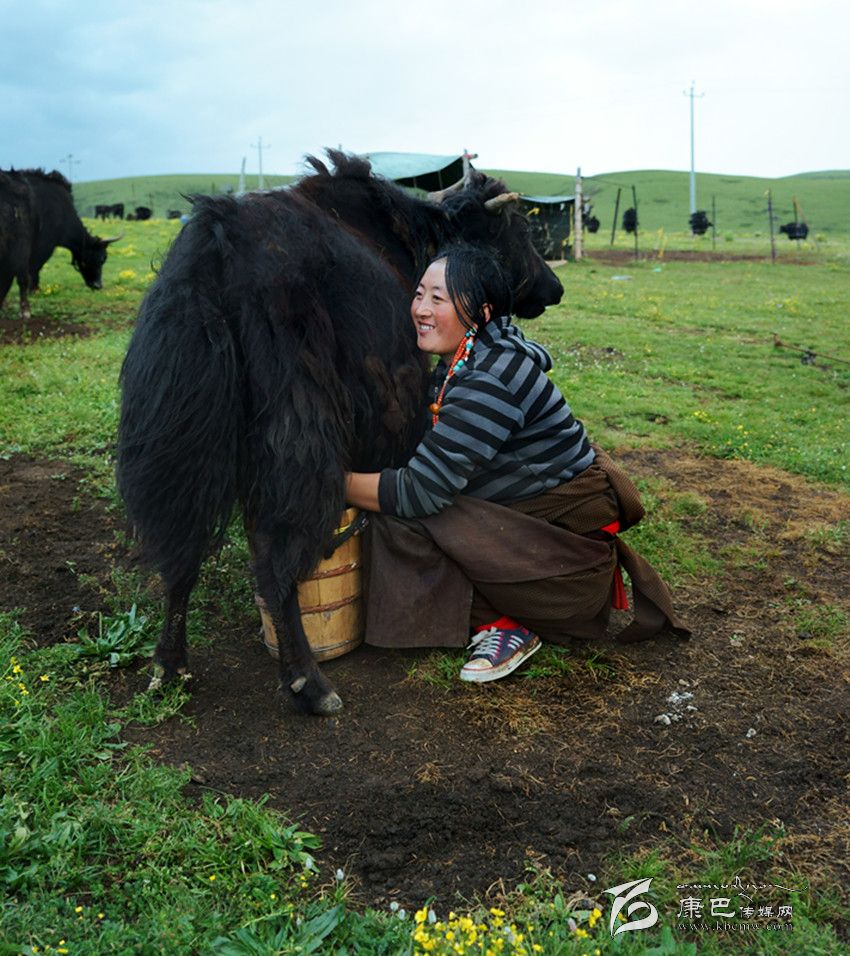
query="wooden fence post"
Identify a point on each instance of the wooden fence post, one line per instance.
(770, 220)
(616, 213)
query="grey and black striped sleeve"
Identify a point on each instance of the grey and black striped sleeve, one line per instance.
(480, 416)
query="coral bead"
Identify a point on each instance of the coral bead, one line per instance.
(434, 408)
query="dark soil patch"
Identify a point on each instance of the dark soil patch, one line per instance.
(419, 791)
(15, 332)
(56, 546)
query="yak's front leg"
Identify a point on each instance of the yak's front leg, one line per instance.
(300, 677)
(170, 658)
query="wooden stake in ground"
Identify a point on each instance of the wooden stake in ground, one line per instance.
(578, 217)
(616, 213)
(637, 222)
(713, 223)
(770, 220)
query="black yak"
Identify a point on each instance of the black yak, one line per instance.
(630, 220)
(699, 223)
(35, 225)
(273, 353)
(795, 230)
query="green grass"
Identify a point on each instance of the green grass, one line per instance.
(686, 354)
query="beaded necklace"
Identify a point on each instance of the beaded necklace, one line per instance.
(457, 362)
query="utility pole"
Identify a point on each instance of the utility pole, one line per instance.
(577, 217)
(69, 159)
(693, 174)
(259, 148)
(770, 220)
(241, 188)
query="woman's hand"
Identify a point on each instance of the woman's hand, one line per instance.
(361, 489)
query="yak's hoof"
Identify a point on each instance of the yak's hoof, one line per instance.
(312, 699)
(330, 704)
(162, 678)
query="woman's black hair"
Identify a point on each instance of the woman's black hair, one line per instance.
(474, 279)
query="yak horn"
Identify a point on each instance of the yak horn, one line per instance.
(495, 204)
(112, 239)
(464, 183)
(442, 194)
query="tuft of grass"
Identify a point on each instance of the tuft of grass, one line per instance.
(824, 625)
(551, 660)
(149, 709)
(665, 537)
(832, 538)
(439, 668)
(118, 641)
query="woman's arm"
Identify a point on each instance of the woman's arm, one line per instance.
(361, 490)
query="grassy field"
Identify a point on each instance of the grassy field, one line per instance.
(663, 197)
(102, 852)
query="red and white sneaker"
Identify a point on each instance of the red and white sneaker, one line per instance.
(498, 652)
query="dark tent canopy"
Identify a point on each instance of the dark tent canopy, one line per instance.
(418, 170)
(549, 218)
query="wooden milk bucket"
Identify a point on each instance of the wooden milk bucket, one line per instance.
(330, 601)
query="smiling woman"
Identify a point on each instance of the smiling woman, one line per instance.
(504, 521)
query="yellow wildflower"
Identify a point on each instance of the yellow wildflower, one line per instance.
(44, 678)
(421, 915)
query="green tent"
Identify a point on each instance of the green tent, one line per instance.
(419, 170)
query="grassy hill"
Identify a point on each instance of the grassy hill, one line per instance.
(160, 193)
(663, 196)
(741, 201)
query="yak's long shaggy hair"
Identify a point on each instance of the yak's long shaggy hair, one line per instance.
(275, 351)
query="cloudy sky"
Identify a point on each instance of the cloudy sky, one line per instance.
(168, 86)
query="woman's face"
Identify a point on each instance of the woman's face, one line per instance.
(439, 330)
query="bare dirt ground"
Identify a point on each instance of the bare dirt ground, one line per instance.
(419, 791)
(38, 328)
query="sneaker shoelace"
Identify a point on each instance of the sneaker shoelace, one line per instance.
(487, 643)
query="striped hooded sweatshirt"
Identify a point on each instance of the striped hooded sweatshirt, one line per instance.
(504, 432)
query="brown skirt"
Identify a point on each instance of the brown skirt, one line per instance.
(543, 561)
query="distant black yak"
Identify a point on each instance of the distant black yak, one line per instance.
(630, 220)
(141, 214)
(109, 211)
(36, 215)
(273, 353)
(795, 230)
(699, 222)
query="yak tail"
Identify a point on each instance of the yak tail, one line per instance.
(182, 414)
